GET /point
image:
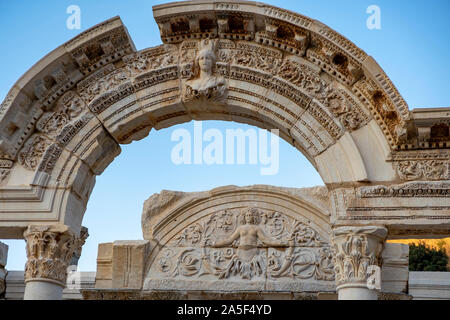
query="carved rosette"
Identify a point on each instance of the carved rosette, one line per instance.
(354, 250)
(49, 252)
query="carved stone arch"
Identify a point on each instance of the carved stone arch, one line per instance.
(62, 123)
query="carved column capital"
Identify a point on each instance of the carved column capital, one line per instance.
(354, 250)
(49, 251)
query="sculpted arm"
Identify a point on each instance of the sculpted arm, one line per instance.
(269, 241)
(228, 241)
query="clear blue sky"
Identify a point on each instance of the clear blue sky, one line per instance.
(412, 47)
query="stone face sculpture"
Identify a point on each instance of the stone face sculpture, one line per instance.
(204, 84)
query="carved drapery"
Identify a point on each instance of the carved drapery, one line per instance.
(354, 250)
(49, 252)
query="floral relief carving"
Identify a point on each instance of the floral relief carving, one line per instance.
(157, 58)
(257, 57)
(33, 150)
(246, 244)
(348, 114)
(304, 77)
(102, 81)
(352, 120)
(69, 107)
(424, 169)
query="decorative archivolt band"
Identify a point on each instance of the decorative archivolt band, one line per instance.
(87, 66)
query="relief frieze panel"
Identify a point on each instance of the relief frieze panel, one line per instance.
(152, 59)
(102, 81)
(244, 245)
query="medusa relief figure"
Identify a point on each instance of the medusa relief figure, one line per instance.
(248, 261)
(204, 84)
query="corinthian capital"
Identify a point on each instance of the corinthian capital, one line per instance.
(355, 249)
(49, 251)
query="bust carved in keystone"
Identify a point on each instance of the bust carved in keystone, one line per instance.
(204, 84)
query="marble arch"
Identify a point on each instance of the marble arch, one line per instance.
(63, 121)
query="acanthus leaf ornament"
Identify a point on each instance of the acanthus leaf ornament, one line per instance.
(354, 250)
(49, 251)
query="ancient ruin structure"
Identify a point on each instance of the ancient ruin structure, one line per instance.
(386, 169)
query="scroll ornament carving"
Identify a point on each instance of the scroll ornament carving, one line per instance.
(102, 81)
(204, 85)
(349, 116)
(354, 250)
(33, 150)
(304, 77)
(69, 107)
(258, 59)
(49, 252)
(424, 169)
(247, 245)
(150, 60)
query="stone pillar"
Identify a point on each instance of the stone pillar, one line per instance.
(3, 259)
(354, 250)
(50, 249)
